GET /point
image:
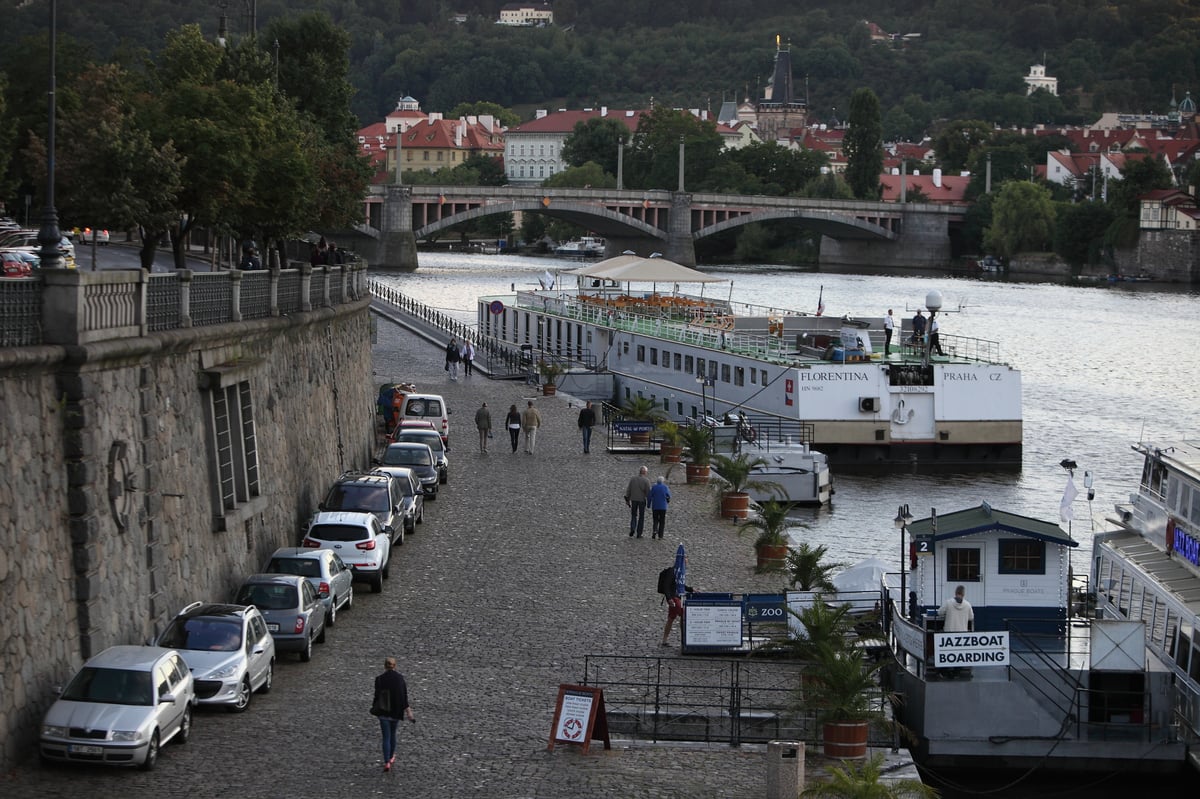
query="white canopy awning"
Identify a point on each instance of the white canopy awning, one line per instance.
(635, 269)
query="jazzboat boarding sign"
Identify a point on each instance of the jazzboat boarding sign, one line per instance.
(955, 650)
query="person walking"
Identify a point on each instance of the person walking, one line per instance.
(453, 356)
(659, 498)
(636, 494)
(483, 423)
(935, 341)
(390, 705)
(513, 423)
(531, 420)
(674, 603)
(468, 358)
(587, 420)
(889, 326)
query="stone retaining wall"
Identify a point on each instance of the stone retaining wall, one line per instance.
(112, 514)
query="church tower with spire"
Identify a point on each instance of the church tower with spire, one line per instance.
(779, 110)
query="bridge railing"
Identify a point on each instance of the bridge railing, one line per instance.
(72, 306)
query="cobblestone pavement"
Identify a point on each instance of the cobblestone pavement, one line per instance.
(523, 566)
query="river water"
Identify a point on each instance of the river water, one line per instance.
(1103, 366)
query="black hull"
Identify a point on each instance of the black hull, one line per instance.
(901, 457)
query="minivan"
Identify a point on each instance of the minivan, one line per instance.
(432, 408)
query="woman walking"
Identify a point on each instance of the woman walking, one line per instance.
(390, 705)
(513, 423)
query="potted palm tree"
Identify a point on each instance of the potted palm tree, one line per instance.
(854, 780)
(550, 372)
(671, 446)
(807, 569)
(771, 543)
(735, 472)
(697, 448)
(641, 409)
(843, 691)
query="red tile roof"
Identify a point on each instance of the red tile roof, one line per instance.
(952, 190)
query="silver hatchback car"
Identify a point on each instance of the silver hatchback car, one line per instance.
(324, 570)
(229, 650)
(120, 708)
(295, 614)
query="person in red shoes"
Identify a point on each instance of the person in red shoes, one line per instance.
(390, 705)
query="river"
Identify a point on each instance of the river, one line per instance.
(1103, 366)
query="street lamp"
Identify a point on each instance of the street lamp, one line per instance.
(49, 236)
(902, 520)
(703, 381)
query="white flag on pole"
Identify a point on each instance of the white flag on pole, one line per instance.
(1065, 511)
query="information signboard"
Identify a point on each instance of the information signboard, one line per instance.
(579, 716)
(713, 625)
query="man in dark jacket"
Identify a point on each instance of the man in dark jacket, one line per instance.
(587, 420)
(391, 704)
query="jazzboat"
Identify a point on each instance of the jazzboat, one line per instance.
(701, 355)
(1038, 683)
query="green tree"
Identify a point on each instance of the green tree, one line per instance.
(1022, 220)
(653, 160)
(778, 170)
(504, 116)
(958, 140)
(596, 140)
(1138, 177)
(1010, 162)
(579, 177)
(1079, 231)
(863, 145)
(863, 780)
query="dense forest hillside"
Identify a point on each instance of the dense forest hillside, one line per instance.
(966, 61)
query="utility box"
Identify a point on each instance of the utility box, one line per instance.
(785, 769)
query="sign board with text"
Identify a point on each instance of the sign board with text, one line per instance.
(579, 716)
(717, 626)
(965, 649)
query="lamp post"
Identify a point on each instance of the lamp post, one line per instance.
(903, 517)
(703, 397)
(49, 236)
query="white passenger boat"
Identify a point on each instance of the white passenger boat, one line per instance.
(583, 247)
(790, 471)
(697, 355)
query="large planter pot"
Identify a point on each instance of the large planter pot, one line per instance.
(846, 740)
(670, 453)
(549, 389)
(772, 558)
(639, 439)
(697, 475)
(735, 505)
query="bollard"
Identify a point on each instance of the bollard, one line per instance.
(785, 769)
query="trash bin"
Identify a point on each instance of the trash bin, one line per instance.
(785, 769)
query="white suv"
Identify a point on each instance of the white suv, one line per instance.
(358, 538)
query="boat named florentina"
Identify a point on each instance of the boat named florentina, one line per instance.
(699, 356)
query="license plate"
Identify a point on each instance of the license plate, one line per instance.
(80, 749)
(274, 628)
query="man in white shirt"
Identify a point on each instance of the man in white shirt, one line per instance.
(958, 614)
(889, 325)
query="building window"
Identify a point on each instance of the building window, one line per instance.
(1022, 556)
(440, 154)
(962, 564)
(424, 155)
(233, 444)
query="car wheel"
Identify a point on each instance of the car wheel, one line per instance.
(243, 698)
(185, 727)
(306, 652)
(399, 539)
(443, 479)
(377, 583)
(151, 753)
(331, 616)
(421, 515)
(320, 639)
(410, 527)
(267, 683)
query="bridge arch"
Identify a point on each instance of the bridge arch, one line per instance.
(827, 223)
(593, 217)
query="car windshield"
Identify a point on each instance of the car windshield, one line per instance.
(360, 498)
(338, 532)
(406, 456)
(268, 597)
(430, 438)
(111, 686)
(203, 633)
(304, 567)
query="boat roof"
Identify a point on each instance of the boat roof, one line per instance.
(1163, 568)
(1184, 456)
(634, 269)
(986, 519)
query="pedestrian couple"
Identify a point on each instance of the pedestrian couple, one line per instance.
(460, 353)
(640, 493)
(516, 422)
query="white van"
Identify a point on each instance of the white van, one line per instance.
(431, 408)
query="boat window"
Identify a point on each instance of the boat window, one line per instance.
(1194, 514)
(1022, 556)
(1194, 669)
(753, 376)
(641, 353)
(1185, 647)
(687, 364)
(700, 370)
(962, 564)
(678, 362)
(724, 373)
(653, 356)
(763, 375)
(666, 359)
(1172, 628)
(739, 376)
(1136, 597)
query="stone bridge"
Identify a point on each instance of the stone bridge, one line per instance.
(670, 222)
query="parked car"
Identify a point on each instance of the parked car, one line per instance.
(27, 241)
(414, 495)
(13, 265)
(434, 441)
(430, 407)
(228, 648)
(120, 708)
(418, 457)
(359, 539)
(370, 492)
(411, 424)
(325, 572)
(295, 614)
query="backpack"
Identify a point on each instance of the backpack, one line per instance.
(666, 582)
